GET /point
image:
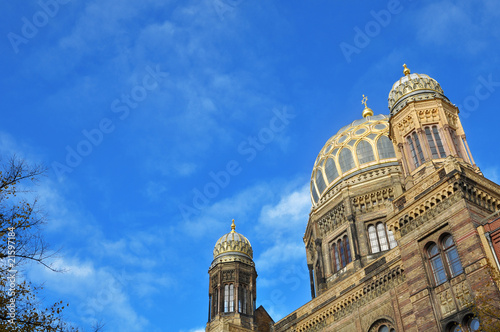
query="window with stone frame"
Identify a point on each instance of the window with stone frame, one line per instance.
(340, 253)
(456, 142)
(415, 149)
(381, 239)
(243, 299)
(443, 258)
(435, 143)
(229, 298)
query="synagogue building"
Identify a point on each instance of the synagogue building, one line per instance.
(403, 233)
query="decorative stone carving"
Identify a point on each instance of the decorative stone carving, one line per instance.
(332, 220)
(373, 201)
(446, 303)
(463, 295)
(228, 275)
(428, 115)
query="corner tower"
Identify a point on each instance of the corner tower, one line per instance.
(425, 127)
(232, 286)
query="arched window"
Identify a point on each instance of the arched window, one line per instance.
(336, 258)
(320, 182)
(435, 143)
(215, 302)
(450, 251)
(364, 152)
(415, 149)
(341, 253)
(381, 239)
(346, 161)
(229, 298)
(347, 249)
(242, 299)
(331, 170)
(385, 148)
(382, 325)
(372, 234)
(314, 193)
(436, 264)
(444, 260)
(226, 298)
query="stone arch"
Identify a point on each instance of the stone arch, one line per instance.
(382, 321)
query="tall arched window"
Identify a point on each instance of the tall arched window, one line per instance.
(372, 234)
(215, 302)
(436, 264)
(385, 148)
(229, 298)
(364, 152)
(450, 251)
(242, 299)
(341, 253)
(346, 161)
(336, 258)
(381, 239)
(444, 260)
(320, 182)
(331, 170)
(347, 249)
(415, 149)
(435, 143)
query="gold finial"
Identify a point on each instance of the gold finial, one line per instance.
(233, 226)
(367, 111)
(406, 71)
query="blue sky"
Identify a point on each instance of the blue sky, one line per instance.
(160, 121)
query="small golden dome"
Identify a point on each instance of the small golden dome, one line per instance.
(233, 243)
(412, 87)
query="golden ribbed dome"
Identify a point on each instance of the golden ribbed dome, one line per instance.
(360, 146)
(233, 243)
(413, 87)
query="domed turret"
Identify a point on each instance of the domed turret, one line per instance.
(360, 146)
(232, 285)
(412, 87)
(232, 244)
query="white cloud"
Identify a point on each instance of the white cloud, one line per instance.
(281, 252)
(283, 224)
(291, 211)
(96, 293)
